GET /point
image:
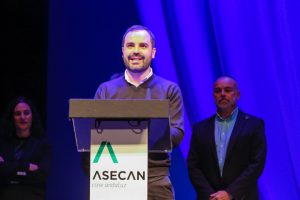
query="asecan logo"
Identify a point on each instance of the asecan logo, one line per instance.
(110, 150)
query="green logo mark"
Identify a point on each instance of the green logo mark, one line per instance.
(110, 150)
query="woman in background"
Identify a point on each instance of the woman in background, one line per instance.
(24, 153)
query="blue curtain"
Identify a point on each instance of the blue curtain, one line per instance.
(257, 42)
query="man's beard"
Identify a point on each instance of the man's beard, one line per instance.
(133, 69)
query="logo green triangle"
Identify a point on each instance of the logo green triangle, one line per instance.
(110, 150)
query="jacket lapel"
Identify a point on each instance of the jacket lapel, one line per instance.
(212, 142)
(239, 123)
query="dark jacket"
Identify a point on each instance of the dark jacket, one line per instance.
(244, 162)
(16, 181)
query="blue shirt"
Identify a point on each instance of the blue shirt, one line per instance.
(223, 130)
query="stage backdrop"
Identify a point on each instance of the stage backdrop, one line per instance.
(197, 41)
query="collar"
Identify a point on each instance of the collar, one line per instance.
(128, 78)
(231, 117)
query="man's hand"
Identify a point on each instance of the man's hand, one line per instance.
(1, 159)
(220, 195)
(33, 167)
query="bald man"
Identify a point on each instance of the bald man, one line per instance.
(228, 150)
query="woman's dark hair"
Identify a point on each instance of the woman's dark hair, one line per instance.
(7, 125)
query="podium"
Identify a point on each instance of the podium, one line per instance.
(119, 134)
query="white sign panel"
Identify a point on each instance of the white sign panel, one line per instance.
(119, 161)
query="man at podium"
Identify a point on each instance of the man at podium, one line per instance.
(139, 82)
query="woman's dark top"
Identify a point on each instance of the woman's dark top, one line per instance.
(16, 181)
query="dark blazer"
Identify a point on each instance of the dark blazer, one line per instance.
(16, 182)
(244, 162)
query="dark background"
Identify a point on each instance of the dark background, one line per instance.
(24, 52)
(24, 69)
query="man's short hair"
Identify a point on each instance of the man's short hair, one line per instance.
(139, 28)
